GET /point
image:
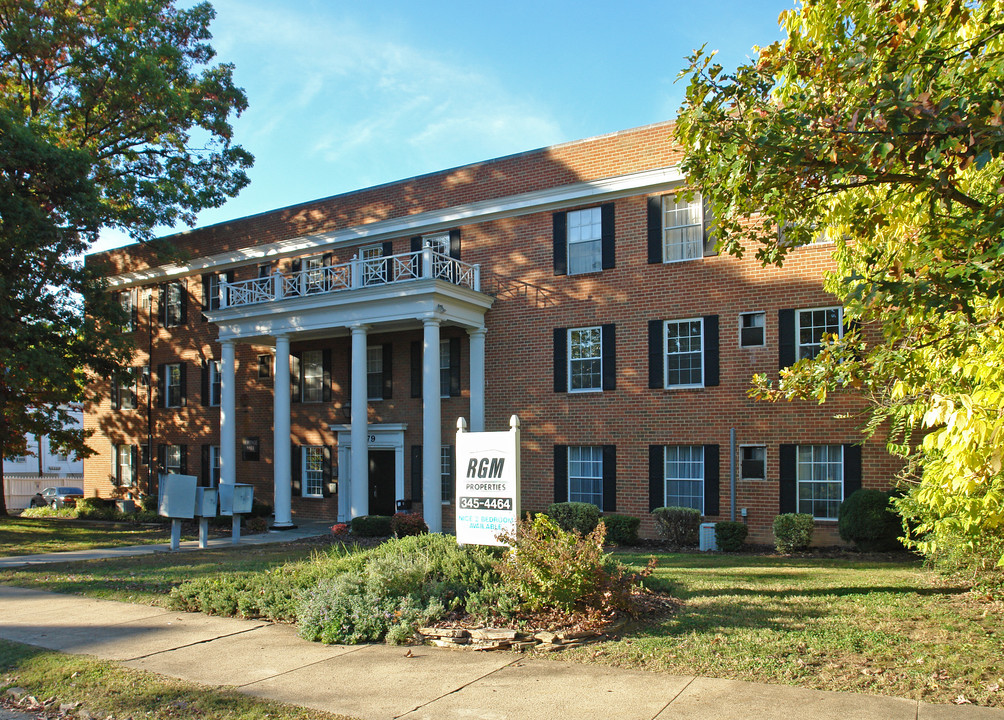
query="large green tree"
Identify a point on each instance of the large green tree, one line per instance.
(877, 124)
(112, 115)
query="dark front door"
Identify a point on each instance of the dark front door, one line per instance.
(382, 472)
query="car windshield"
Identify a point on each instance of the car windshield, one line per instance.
(70, 491)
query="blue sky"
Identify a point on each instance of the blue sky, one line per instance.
(348, 95)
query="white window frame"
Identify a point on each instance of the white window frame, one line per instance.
(666, 354)
(808, 461)
(571, 360)
(313, 274)
(130, 390)
(682, 248)
(172, 459)
(374, 368)
(169, 386)
(316, 467)
(442, 263)
(215, 383)
(214, 466)
(215, 290)
(744, 447)
(446, 474)
(172, 313)
(312, 362)
(581, 459)
(802, 349)
(374, 265)
(128, 300)
(584, 235)
(444, 368)
(19, 459)
(756, 314)
(124, 471)
(695, 459)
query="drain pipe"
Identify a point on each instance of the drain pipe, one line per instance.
(732, 474)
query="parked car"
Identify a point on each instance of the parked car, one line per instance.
(57, 497)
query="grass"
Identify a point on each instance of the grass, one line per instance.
(30, 536)
(107, 689)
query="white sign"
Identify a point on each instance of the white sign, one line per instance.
(487, 484)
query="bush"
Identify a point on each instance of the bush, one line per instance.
(678, 525)
(148, 503)
(793, 532)
(405, 524)
(47, 512)
(94, 508)
(730, 536)
(867, 519)
(256, 525)
(574, 516)
(371, 525)
(260, 508)
(621, 529)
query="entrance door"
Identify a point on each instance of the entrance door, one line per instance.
(382, 475)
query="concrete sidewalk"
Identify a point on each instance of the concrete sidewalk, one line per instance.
(304, 530)
(379, 682)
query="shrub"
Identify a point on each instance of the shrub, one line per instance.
(678, 525)
(867, 519)
(340, 529)
(621, 529)
(260, 508)
(47, 512)
(94, 508)
(574, 516)
(148, 503)
(730, 536)
(793, 532)
(405, 524)
(255, 525)
(371, 525)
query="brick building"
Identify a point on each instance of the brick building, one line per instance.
(567, 285)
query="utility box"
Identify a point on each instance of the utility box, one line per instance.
(205, 502)
(707, 537)
(177, 496)
(236, 499)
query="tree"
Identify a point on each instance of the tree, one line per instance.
(878, 124)
(110, 116)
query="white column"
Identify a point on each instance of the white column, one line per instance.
(281, 438)
(360, 478)
(477, 336)
(432, 494)
(228, 415)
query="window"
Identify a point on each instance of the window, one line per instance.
(264, 270)
(173, 392)
(374, 266)
(213, 292)
(174, 304)
(682, 228)
(313, 471)
(445, 371)
(811, 325)
(214, 465)
(215, 384)
(313, 375)
(446, 473)
(374, 373)
(19, 459)
(684, 476)
(585, 475)
(264, 366)
(585, 233)
(172, 459)
(585, 359)
(128, 300)
(820, 475)
(313, 274)
(125, 395)
(751, 329)
(442, 264)
(684, 353)
(752, 462)
(124, 470)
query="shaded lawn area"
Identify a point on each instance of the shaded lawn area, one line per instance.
(30, 536)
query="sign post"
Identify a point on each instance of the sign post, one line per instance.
(487, 484)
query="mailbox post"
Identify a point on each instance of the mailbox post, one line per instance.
(236, 500)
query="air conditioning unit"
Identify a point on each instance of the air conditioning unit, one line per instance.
(706, 538)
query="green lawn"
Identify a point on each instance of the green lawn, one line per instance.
(29, 536)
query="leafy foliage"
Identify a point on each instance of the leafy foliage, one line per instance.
(880, 125)
(868, 520)
(621, 529)
(793, 532)
(579, 516)
(405, 524)
(730, 536)
(370, 525)
(680, 526)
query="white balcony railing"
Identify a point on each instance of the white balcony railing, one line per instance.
(353, 275)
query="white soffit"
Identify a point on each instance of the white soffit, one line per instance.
(420, 223)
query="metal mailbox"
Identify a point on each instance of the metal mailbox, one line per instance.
(177, 496)
(236, 499)
(205, 501)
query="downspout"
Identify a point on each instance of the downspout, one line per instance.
(732, 474)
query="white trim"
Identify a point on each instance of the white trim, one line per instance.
(665, 355)
(594, 191)
(387, 436)
(568, 360)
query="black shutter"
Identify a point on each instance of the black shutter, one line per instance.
(709, 237)
(183, 402)
(204, 474)
(711, 351)
(655, 229)
(416, 473)
(454, 367)
(116, 394)
(852, 469)
(162, 304)
(206, 285)
(295, 376)
(388, 264)
(295, 463)
(135, 465)
(326, 370)
(388, 370)
(560, 473)
(183, 292)
(416, 261)
(416, 368)
(560, 241)
(609, 340)
(609, 478)
(561, 360)
(656, 477)
(160, 400)
(712, 481)
(183, 454)
(656, 358)
(134, 308)
(608, 236)
(205, 383)
(326, 472)
(296, 265)
(455, 244)
(785, 338)
(225, 296)
(788, 471)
